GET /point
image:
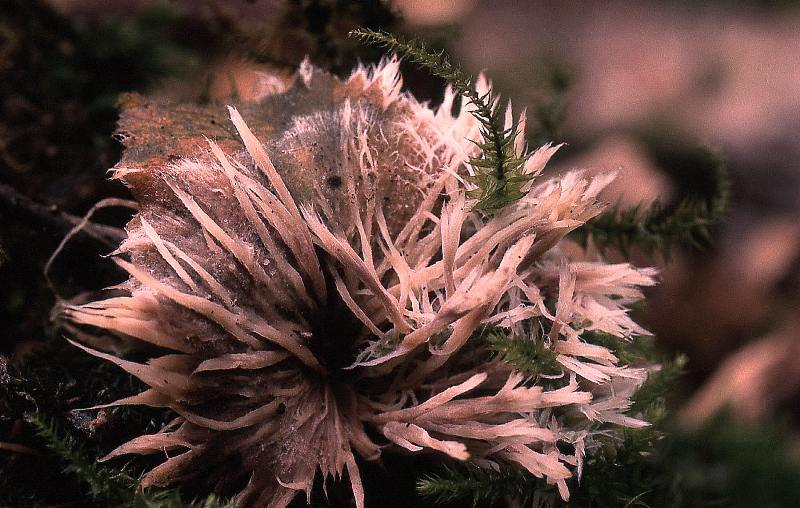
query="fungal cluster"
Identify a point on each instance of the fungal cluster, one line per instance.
(308, 281)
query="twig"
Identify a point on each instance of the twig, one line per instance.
(76, 229)
(16, 448)
(58, 219)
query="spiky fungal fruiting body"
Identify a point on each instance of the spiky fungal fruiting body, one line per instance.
(308, 278)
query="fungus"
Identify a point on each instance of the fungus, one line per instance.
(310, 279)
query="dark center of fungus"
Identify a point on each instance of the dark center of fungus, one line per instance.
(334, 332)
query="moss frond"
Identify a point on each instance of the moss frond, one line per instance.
(478, 486)
(108, 486)
(657, 228)
(653, 393)
(499, 171)
(527, 355)
(103, 484)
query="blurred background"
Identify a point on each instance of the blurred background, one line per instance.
(631, 87)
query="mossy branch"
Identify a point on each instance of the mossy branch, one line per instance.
(103, 484)
(479, 486)
(499, 171)
(652, 395)
(657, 228)
(526, 355)
(108, 486)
